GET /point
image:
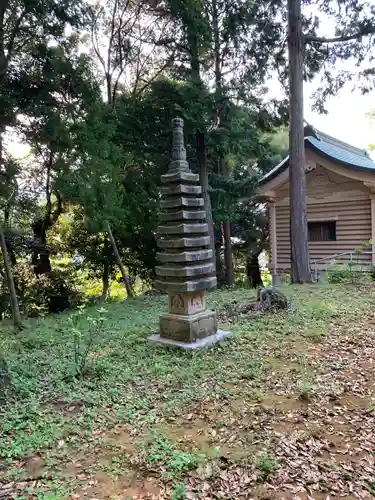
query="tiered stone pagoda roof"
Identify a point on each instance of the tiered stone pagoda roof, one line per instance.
(186, 258)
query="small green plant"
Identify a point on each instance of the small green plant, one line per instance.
(179, 491)
(306, 391)
(266, 465)
(340, 273)
(83, 339)
(117, 466)
(176, 462)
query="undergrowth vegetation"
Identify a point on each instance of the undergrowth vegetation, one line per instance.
(77, 376)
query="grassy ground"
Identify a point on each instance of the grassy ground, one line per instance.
(284, 409)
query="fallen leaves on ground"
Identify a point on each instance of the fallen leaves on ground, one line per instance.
(305, 429)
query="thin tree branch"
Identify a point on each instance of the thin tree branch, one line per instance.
(155, 76)
(15, 31)
(94, 39)
(111, 37)
(343, 38)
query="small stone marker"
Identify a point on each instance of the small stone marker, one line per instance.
(186, 269)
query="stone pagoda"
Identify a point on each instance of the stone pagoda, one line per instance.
(186, 267)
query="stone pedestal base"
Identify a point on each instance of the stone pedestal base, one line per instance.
(199, 344)
(188, 328)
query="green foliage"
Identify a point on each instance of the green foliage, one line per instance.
(5, 381)
(38, 295)
(339, 273)
(266, 465)
(76, 235)
(177, 462)
(306, 390)
(95, 182)
(267, 278)
(84, 339)
(131, 391)
(351, 272)
(28, 427)
(179, 491)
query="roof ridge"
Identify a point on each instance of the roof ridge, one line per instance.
(333, 140)
(329, 147)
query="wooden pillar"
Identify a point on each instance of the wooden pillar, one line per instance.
(372, 198)
(273, 239)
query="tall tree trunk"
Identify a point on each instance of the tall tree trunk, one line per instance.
(254, 275)
(220, 271)
(300, 265)
(128, 288)
(228, 253)
(111, 101)
(223, 167)
(41, 259)
(200, 141)
(4, 5)
(41, 255)
(227, 234)
(12, 255)
(105, 281)
(108, 80)
(7, 265)
(203, 175)
(9, 275)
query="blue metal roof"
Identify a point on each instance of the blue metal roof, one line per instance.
(333, 149)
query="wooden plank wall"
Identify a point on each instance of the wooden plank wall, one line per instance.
(330, 197)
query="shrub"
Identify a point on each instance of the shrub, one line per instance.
(339, 273)
(266, 277)
(47, 293)
(351, 272)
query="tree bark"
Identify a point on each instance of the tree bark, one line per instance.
(300, 265)
(228, 253)
(222, 167)
(9, 275)
(41, 256)
(200, 140)
(128, 287)
(220, 271)
(227, 235)
(108, 80)
(12, 255)
(203, 175)
(254, 276)
(105, 281)
(3, 58)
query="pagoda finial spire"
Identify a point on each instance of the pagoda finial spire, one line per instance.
(178, 149)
